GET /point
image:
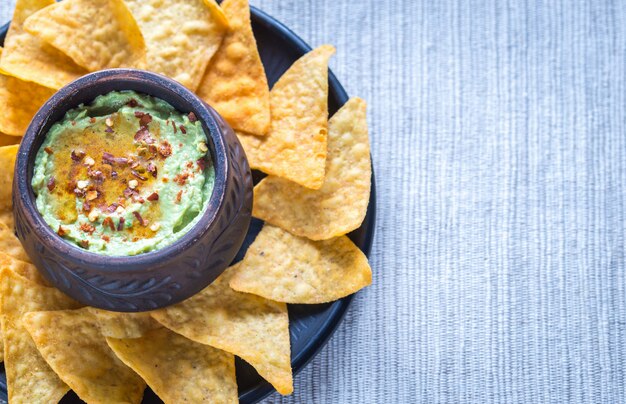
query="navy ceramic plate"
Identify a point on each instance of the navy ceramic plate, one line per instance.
(310, 325)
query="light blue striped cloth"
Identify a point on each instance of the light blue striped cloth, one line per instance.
(498, 139)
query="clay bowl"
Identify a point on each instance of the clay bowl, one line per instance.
(154, 279)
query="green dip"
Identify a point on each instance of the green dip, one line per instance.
(124, 175)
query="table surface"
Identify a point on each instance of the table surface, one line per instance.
(498, 139)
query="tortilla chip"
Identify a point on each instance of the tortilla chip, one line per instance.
(181, 37)
(291, 269)
(29, 58)
(235, 83)
(6, 217)
(71, 343)
(7, 162)
(124, 325)
(179, 370)
(253, 328)
(341, 204)
(9, 140)
(22, 268)
(20, 101)
(295, 146)
(10, 245)
(96, 34)
(29, 378)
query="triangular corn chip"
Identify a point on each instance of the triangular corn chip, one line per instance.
(6, 218)
(235, 83)
(22, 268)
(124, 325)
(9, 140)
(20, 100)
(7, 162)
(10, 245)
(291, 269)
(251, 327)
(181, 37)
(96, 34)
(29, 378)
(179, 370)
(340, 205)
(295, 146)
(29, 58)
(71, 343)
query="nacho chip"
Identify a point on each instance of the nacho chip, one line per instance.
(235, 83)
(29, 58)
(6, 217)
(71, 343)
(181, 37)
(253, 328)
(8, 140)
(20, 101)
(22, 268)
(96, 34)
(10, 245)
(7, 162)
(291, 269)
(179, 370)
(29, 378)
(341, 204)
(295, 146)
(124, 325)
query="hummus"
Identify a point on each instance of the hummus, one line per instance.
(125, 175)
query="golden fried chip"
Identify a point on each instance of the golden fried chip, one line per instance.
(181, 37)
(295, 146)
(179, 370)
(10, 245)
(340, 205)
(251, 327)
(124, 325)
(22, 268)
(291, 269)
(29, 378)
(235, 83)
(20, 100)
(7, 162)
(71, 343)
(96, 34)
(6, 217)
(29, 58)
(9, 140)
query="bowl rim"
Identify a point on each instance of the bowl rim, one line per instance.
(123, 77)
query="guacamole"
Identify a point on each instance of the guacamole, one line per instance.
(124, 175)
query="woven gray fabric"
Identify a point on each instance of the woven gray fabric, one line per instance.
(498, 139)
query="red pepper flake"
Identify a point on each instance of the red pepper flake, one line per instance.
(108, 158)
(182, 129)
(96, 175)
(120, 224)
(145, 119)
(48, 150)
(79, 192)
(51, 184)
(139, 218)
(174, 126)
(152, 169)
(139, 114)
(192, 117)
(165, 179)
(129, 193)
(109, 222)
(114, 174)
(137, 175)
(181, 179)
(201, 164)
(106, 238)
(111, 208)
(132, 103)
(189, 164)
(92, 120)
(61, 232)
(86, 207)
(179, 196)
(153, 197)
(143, 135)
(77, 155)
(84, 243)
(73, 123)
(109, 129)
(165, 149)
(87, 228)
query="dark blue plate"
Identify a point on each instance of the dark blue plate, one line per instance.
(310, 325)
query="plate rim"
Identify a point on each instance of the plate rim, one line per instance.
(339, 307)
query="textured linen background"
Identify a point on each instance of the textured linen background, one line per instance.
(498, 140)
